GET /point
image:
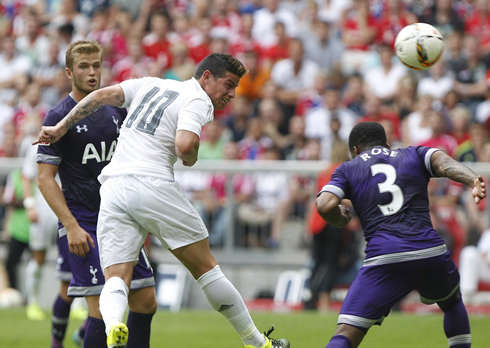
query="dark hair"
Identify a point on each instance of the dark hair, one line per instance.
(366, 135)
(219, 64)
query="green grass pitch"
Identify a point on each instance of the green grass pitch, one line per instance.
(193, 329)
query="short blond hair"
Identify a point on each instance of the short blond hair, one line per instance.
(81, 47)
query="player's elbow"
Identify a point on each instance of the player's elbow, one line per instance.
(184, 148)
(46, 176)
(186, 143)
(325, 202)
(43, 179)
(321, 208)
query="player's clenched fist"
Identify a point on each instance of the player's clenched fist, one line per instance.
(49, 134)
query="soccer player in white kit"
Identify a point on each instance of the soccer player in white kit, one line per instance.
(140, 195)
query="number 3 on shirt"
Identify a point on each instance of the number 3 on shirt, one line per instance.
(388, 186)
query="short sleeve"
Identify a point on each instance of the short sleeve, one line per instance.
(338, 184)
(131, 87)
(425, 154)
(194, 115)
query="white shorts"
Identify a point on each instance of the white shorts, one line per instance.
(133, 206)
(43, 232)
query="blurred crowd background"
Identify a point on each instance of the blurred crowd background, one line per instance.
(315, 69)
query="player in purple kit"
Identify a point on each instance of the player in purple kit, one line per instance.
(79, 158)
(388, 190)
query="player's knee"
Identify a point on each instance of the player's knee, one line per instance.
(449, 302)
(148, 307)
(150, 304)
(143, 300)
(120, 270)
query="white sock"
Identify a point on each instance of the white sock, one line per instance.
(226, 299)
(33, 281)
(113, 302)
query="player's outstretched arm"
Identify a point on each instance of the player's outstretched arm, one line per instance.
(329, 207)
(445, 166)
(112, 95)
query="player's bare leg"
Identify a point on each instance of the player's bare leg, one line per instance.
(93, 306)
(143, 300)
(346, 336)
(221, 294)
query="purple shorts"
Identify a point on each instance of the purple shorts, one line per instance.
(377, 289)
(87, 275)
(63, 270)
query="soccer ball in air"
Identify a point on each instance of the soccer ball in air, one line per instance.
(419, 46)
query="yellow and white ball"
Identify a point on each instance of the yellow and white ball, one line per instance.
(419, 46)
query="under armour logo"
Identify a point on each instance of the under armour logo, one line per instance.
(80, 128)
(116, 121)
(224, 307)
(93, 271)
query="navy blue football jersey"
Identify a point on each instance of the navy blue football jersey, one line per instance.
(388, 189)
(81, 154)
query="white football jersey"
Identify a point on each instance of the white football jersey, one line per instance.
(157, 109)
